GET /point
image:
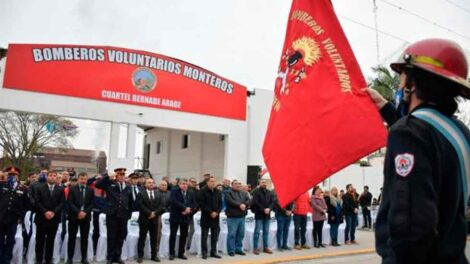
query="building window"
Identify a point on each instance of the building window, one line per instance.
(222, 138)
(122, 146)
(186, 141)
(159, 147)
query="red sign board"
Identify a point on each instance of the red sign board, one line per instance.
(124, 76)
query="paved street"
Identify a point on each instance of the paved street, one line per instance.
(365, 254)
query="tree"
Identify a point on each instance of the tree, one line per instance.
(385, 82)
(24, 134)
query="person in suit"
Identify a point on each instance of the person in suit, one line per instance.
(118, 212)
(150, 207)
(13, 205)
(49, 201)
(164, 194)
(134, 179)
(182, 203)
(211, 205)
(80, 202)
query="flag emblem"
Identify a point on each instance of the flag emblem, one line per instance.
(404, 164)
(302, 54)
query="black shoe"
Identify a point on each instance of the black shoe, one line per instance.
(322, 245)
(183, 257)
(240, 253)
(216, 256)
(156, 259)
(109, 262)
(231, 254)
(121, 261)
(204, 256)
(140, 260)
(69, 261)
(286, 248)
(172, 257)
(85, 261)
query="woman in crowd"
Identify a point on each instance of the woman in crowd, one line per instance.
(318, 216)
(301, 209)
(335, 215)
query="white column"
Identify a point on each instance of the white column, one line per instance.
(236, 151)
(128, 161)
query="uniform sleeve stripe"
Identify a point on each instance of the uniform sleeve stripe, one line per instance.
(453, 134)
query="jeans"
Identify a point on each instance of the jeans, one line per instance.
(300, 227)
(334, 232)
(236, 233)
(351, 222)
(367, 217)
(283, 223)
(261, 223)
(317, 233)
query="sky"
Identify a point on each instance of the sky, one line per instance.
(238, 39)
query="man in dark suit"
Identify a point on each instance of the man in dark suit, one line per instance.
(80, 202)
(211, 205)
(118, 212)
(49, 201)
(182, 203)
(135, 190)
(150, 207)
(13, 205)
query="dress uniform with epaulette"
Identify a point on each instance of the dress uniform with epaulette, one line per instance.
(421, 218)
(118, 212)
(13, 206)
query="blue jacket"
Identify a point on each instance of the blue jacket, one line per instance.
(178, 205)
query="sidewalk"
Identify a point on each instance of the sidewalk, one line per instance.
(364, 238)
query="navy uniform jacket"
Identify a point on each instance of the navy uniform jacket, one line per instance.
(421, 218)
(13, 203)
(118, 203)
(178, 205)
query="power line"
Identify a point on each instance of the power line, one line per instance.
(374, 29)
(458, 6)
(425, 19)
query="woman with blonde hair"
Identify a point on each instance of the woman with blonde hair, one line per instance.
(335, 214)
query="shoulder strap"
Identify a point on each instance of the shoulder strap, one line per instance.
(447, 127)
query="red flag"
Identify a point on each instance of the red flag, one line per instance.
(321, 121)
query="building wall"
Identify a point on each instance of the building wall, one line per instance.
(205, 154)
(259, 110)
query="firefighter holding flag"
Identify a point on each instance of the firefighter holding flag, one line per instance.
(320, 115)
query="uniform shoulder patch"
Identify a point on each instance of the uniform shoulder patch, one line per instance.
(404, 164)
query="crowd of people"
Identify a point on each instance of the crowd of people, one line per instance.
(66, 198)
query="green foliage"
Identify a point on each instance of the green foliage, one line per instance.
(385, 82)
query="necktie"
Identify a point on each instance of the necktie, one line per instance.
(82, 192)
(51, 188)
(151, 196)
(184, 197)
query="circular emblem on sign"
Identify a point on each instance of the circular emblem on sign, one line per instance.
(144, 79)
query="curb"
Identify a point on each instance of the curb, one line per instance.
(308, 257)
